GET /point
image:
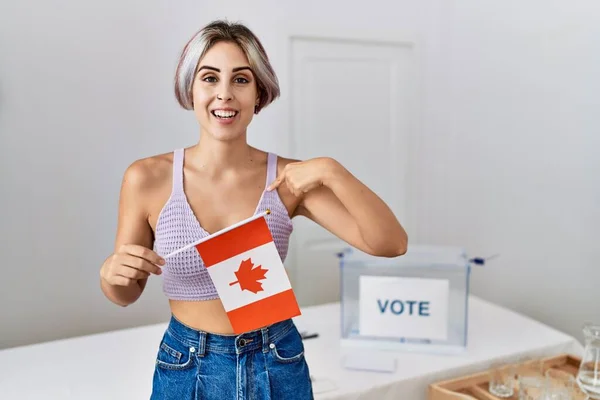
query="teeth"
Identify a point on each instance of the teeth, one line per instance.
(224, 114)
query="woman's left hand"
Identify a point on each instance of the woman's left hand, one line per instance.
(303, 176)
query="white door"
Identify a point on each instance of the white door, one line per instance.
(353, 101)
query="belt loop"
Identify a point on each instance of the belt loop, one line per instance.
(201, 344)
(265, 339)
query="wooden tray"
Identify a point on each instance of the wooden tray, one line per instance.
(475, 387)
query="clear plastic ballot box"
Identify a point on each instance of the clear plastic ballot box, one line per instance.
(414, 302)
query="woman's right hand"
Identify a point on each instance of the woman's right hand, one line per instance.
(130, 264)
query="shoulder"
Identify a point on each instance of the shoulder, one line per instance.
(148, 173)
(283, 162)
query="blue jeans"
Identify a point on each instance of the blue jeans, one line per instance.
(264, 364)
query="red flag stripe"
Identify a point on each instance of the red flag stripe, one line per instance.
(276, 308)
(239, 240)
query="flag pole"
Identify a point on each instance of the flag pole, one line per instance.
(229, 228)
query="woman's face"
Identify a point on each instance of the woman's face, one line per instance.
(224, 92)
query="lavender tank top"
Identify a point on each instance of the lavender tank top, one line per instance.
(184, 275)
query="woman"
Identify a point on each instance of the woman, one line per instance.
(170, 200)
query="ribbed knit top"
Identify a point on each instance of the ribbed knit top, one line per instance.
(184, 275)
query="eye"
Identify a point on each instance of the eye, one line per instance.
(209, 79)
(241, 79)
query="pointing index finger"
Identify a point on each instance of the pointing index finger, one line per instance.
(275, 183)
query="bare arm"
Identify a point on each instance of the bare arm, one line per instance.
(335, 199)
(124, 273)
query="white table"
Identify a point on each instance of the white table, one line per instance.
(119, 365)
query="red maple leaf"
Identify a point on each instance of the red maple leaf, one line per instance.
(248, 277)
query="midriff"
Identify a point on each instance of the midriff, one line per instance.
(207, 315)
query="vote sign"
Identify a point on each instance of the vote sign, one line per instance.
(401, 307)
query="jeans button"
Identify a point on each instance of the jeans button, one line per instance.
(242, 342)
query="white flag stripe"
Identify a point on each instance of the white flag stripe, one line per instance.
(267, 257)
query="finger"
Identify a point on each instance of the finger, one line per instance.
(145, 253)
(119, 280)
(295, 186)
(275, 184)
(133, 273)
(297, 193)
(140, 264)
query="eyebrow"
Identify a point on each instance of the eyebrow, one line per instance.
(218, 70)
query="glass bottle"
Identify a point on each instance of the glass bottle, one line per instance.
(588, 376)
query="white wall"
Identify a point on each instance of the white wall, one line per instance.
(510, 153)
(507, 124)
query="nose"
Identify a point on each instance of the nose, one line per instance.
(224, 92)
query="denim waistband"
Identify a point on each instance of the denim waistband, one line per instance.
(235, 344)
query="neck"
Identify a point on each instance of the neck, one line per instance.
(219, 155)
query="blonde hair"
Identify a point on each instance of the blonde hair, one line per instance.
(203, 40)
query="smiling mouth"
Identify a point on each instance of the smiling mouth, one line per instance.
(224, 114)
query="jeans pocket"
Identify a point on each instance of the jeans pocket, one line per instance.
(289, 348)
(289, 377)
(174, 355)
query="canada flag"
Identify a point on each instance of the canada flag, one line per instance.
(249, 276)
